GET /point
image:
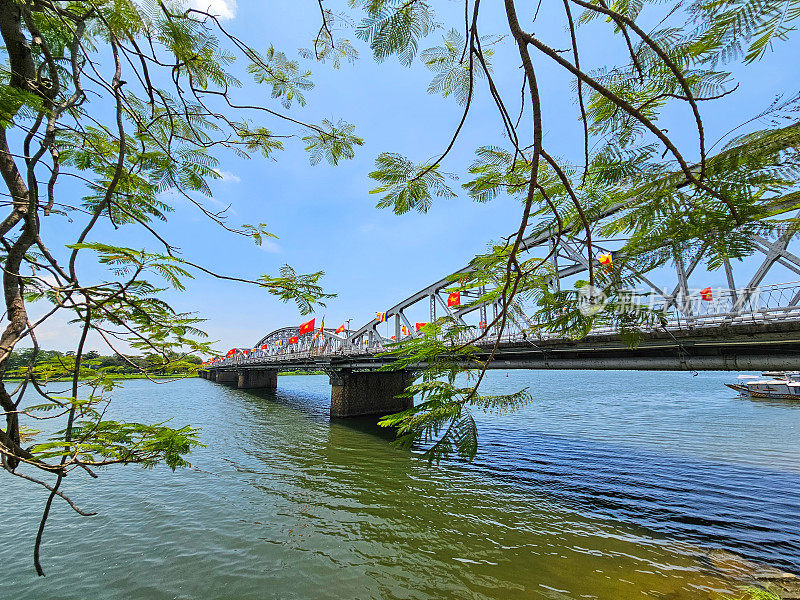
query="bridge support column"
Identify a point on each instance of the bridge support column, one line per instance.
(227, 377)
(211, 375)
(355, 394)
(257, 378)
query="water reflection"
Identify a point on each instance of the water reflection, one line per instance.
(782, 403)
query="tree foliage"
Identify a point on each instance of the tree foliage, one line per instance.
(111, 112)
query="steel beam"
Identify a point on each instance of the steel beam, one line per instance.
(661, 363)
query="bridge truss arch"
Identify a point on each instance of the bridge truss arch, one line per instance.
(752, 302)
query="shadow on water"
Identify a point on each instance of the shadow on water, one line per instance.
(307, 404)
(366, 425)
(314, 406)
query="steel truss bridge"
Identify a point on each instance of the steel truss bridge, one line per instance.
(755, 326)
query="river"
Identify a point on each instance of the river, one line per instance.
(610, 485)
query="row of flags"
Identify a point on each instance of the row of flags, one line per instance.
(607, 260)
(309, 326)
(453, 299)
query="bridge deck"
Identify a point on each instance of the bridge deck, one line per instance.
(726, 347)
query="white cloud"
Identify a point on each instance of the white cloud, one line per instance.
(271, 247)
(225, 206)
(58, 333)
(224, 9)
(227, 176)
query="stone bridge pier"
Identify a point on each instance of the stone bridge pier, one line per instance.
(364, 393)
(226, 377)
(257, 378)
(244, 379)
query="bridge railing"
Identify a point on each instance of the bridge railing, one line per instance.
(761, 305)
(757, 305)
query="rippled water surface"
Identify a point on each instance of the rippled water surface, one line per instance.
(613, 485)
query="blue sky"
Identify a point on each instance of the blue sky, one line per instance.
(325, 216)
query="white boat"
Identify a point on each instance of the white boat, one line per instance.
(782, 387)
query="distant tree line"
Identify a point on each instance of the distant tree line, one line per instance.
(152, 364)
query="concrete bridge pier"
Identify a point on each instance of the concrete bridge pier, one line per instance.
(362, 393)
(257, 378)
(202, 374)
(227, 377)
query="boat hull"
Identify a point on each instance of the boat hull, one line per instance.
(745, 391)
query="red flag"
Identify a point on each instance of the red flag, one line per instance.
(245, 352)
(265, 346)
(293, 339)
(404, 330)
(420, 326)
(340, 329)
(606, 260)
(392, 337)
(231, 352)
(307, 327)
(454, 299)
(482, 325)
(706, 295)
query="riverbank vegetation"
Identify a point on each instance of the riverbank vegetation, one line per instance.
(52, 365)
(114, 111)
